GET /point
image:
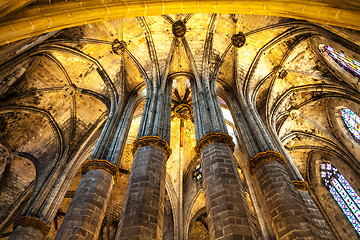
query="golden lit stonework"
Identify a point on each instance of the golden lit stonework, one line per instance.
(214, 137)
(264, 157)
(33, 222)
(154, 141)
(96, 164)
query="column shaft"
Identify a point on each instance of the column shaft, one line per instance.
(289, 215)
(226, 205)
(315, 214)
(228, 214)
(26, 233)
(87, 209)
(295, 175)
(143, 209)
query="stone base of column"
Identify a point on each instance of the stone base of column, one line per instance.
(87, 209)
(26, 233)
(290, 218)
(27, 227)
(228, 213)
(143, 209)
(315, 214)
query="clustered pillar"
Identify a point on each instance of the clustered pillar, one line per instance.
(143, 209)
(142, 212)
(288, 212)
(87, 209)
(290, 217)
(228, 213)
(226, 205)
(303, 189)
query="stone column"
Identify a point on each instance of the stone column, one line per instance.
(143, 209)
(228, 213)
(289, 215)
(29, 228)
(319, 221)
(87, 209)
(290, 219)
(303, 189)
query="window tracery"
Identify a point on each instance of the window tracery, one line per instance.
(343, 193)
(352, 121)
(346, 62)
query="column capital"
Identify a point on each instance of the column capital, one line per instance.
(261, 157)
(301, 185)
(36, 223)
(154, 141)
(98, 164)
(212, 137)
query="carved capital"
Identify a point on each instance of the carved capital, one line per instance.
(154, 141)
(96, 164)
(27, 221)
(214, 137)
(264, 157)
(301, 185)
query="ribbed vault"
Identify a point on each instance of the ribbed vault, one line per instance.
(57, 89)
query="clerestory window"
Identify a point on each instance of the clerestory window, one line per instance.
(343, 193)
(348, 63)
(352, 121)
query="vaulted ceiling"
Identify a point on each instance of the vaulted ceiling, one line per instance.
(56, 89)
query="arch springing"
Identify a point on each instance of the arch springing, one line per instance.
(343, 193)
(344, 61)
(352, 122)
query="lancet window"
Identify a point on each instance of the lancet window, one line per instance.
(346, 62)
(352, 122)
(343, 193)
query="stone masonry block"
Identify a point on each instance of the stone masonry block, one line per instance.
(225, 199)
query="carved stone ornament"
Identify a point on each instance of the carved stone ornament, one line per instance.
(264, 157)
(301, 185)
(154, 141)
(214, 137)
(179, 28)
(282, 73)
(238, 40)
(33, 222)
(96, 164)
(118, 47)
(183, 111)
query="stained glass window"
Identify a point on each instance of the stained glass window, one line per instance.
(346, 62)
(197, 175)
(343, 193)
(352, 121)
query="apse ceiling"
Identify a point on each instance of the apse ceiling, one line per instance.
(57, 88)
